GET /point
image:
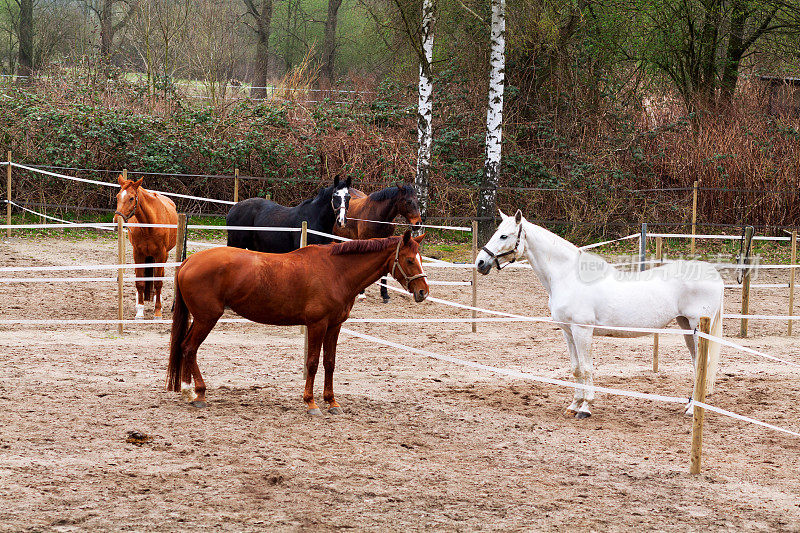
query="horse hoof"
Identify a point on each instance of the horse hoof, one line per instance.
(315, 412)
(362, 296)
(582, 414)
(386, 300)
(335, 411)
(139, 317)
(199, 405)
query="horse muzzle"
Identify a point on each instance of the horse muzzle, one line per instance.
(483, 266)
(420, 295)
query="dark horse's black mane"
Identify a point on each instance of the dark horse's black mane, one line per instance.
(390, 192)
(363, 246)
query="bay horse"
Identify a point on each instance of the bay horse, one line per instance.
(315, 286)
(380, 206)
(586, 293)
(150, 245)
(327, 208)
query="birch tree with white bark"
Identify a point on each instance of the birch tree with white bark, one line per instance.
(487, 203)
(425, 106)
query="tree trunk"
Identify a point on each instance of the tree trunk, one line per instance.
(425, 108)
(329, 40)
(487, 203)
(25, 37)
(735, 51)
(263, 21)
(106, 30)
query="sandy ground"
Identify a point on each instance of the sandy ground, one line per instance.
(423, 445)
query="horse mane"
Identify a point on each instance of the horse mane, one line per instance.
(363, 246)
(391, 192)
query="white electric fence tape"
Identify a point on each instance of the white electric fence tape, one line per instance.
(721, 237)
(109, 184)
(597, 244)
(562, 383)
(457, 228)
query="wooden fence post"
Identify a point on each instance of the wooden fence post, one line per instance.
(748, 239)
(180, 241)
(642, 246)
(791, 279)
(8, 195)
(694, 217)
(120, 271)
(474, 275)
(659, 256)
(698, 413)
(236, 185)
(303, 329)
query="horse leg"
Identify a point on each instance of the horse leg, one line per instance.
(384, 290)
(139, 258)
(572, 410)
(198, 332)
(329, 362)
(316, 332)
(691, 343)
(157, 285)
(582, 338)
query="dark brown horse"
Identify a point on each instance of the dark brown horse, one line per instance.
(380, 206)
(314, 286)
(136, 204)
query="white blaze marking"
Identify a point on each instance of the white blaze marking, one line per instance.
(419, 263)
(342, 193)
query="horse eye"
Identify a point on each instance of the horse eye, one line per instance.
(504, 236)
(409, 261)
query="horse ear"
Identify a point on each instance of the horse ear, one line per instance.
(336, 181)
(502, 215)
(349, 181)
(138, 184)
(419, 238)
(518, 216)
(406, 237)
(120, 180)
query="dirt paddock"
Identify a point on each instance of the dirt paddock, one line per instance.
(423, 445)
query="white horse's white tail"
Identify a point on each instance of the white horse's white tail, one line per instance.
(714, 347)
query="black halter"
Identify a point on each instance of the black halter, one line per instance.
(133, 211)
(496, 257)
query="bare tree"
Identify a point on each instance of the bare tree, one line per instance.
(113, 16)
(10, 27)
(494, 122)
(25, 36)
(329, 40)
(215, 46)
(262, 20)
(425, 106)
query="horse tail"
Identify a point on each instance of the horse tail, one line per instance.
(714, 347)
(180, 325)
(148, 273)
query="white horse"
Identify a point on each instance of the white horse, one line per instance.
(587, 293)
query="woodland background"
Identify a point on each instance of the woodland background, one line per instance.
(612, 110)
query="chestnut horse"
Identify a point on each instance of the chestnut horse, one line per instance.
(380, 206)
(136, 204)
(315, 286)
